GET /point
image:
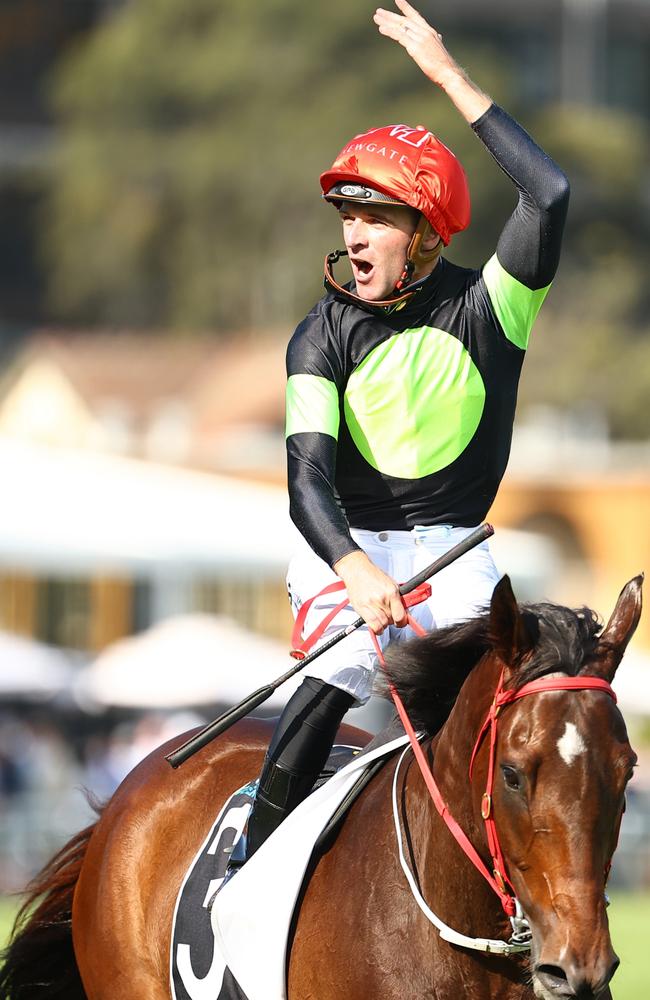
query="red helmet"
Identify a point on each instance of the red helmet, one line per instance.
(408, 166)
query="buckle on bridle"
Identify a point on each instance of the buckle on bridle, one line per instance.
(499, 879)
(521, 932)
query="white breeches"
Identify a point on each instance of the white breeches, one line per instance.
(457, 593)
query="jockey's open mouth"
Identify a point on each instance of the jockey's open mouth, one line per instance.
(361, 269)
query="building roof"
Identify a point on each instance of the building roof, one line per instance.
(136, 369)
(71, 512)
(209, 402)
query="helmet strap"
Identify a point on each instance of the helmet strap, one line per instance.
(416, 257)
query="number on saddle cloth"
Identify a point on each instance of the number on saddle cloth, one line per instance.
(209, 867)
(197, 969)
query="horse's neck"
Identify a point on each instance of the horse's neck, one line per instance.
(454, 745)
(449, 879)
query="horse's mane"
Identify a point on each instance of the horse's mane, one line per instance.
(429, 672)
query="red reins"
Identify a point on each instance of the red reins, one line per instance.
(300, 647)
(502, 698)
(458, 833)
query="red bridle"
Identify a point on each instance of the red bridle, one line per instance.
(497, 878)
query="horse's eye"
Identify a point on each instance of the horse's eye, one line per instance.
(511, 777)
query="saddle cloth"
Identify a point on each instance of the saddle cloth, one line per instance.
(230, 943)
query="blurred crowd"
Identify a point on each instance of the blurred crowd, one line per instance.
(49, 784)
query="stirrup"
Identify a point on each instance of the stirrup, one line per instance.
(238, 858)
(238, 853)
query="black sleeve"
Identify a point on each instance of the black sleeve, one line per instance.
(311, 454)
(311, 461)
(529, 245)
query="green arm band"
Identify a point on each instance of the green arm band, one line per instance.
(515, 305)
(312, 405)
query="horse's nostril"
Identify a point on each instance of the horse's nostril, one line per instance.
(554, 979)
(552, 972)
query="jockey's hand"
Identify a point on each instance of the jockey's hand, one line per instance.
(373, 594)
(421, 41)
(424, 45)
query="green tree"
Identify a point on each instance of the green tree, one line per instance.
(591, 347)
(186, 191)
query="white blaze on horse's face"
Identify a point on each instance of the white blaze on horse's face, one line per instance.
(571, 744)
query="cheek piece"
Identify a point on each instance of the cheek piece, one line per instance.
(416, 258)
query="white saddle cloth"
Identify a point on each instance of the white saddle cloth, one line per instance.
(252, 914)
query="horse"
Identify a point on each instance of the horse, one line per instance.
(97, 922)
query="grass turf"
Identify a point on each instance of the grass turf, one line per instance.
(629, 918)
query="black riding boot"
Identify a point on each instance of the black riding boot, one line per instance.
(298, 751)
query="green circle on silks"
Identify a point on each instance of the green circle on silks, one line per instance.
(414, 403)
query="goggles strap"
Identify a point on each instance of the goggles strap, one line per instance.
(420, 258)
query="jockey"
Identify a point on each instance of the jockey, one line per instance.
(401, 395)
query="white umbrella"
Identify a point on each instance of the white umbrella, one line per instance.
(31, 669)
(186, 660)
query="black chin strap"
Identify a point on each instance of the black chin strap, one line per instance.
(402, 294)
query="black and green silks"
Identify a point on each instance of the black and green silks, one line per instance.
(404, 419)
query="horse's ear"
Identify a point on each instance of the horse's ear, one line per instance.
(509, 632)
(620, 629)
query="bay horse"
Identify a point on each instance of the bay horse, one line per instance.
(97, 922)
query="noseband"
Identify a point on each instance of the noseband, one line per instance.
(497, 878)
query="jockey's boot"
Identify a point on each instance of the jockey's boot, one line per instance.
(297, 754)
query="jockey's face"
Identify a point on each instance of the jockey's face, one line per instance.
(377, 238)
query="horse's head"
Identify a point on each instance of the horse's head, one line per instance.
(561, 766)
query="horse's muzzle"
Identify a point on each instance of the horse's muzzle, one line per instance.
(572, 982)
